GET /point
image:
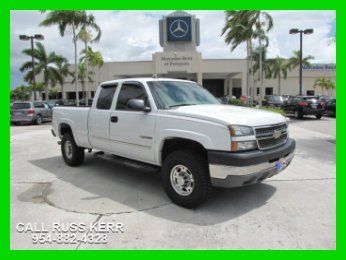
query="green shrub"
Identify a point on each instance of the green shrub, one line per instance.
(235, 102)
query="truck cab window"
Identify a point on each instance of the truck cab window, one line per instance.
(106, 97)
(129, 91)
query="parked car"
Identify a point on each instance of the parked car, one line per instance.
(273, 101)
(55, 102)
(303, 105)
(330, 107)
(70, 102)
(323, 98)
(180, 128)
(30, 112)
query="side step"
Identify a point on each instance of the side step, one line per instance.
(127, 162)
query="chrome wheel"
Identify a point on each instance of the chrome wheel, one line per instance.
(182, 180)
(68, 149)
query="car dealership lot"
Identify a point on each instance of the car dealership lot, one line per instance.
(294, 209)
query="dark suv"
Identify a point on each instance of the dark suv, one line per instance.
(304, 105)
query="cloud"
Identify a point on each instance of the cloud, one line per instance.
(134, 35)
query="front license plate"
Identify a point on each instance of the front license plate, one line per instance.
(280, 165)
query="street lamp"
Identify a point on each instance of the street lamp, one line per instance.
(301, 32)
(31, 38)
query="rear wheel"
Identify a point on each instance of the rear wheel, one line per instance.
(185, 178)
(73, 155)
(38, 120)
(319, 116)
(298, 114)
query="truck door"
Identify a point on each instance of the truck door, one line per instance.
(132, 132)
(99, 117)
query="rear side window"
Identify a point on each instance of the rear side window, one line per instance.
(21, 106)
(39, 105)
(129, 91)
(106, 95)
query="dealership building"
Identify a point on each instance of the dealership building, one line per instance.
(179, 37)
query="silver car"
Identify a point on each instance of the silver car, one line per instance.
(30, 112)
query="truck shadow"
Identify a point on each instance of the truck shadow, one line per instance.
(129, 190)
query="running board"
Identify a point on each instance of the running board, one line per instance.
(127, 162)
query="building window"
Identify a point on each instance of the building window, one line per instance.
(269, 91)
(310, 92)
(258, 91)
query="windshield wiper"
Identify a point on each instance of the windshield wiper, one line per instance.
(181, 105)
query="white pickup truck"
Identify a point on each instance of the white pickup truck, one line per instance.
(180, 128)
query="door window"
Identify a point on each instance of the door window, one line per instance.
(105, 98)
(130, 91)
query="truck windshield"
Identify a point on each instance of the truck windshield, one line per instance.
(170, 94)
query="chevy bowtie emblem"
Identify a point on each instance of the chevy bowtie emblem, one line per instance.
(276, 134)
(178, 28)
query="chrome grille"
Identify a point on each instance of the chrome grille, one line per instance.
(271, 136)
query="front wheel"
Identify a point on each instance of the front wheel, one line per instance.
(185, 178)
(73, 155)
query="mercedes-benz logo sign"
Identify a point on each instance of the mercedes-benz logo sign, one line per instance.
(178, 28)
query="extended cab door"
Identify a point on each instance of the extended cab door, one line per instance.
(99, 117)
(132, 132)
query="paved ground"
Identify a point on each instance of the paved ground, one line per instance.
(295, 209)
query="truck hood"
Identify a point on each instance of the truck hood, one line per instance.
(228, 114)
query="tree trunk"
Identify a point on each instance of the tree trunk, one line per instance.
(279, 83)
(260, 72)
(247, 72)
(86, 69)
(75, 63)
(46, 91)
(62, 91)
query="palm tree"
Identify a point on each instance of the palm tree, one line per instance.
(86, 35)
(261, 58)
(63, 69)
(82, 75)
(45, 64)
(64, 20)
(94, 58)
(324, 83)
(294, 61)
(279, 68)
(20, 93)
(243, 26)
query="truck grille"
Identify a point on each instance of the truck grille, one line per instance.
(271, 136)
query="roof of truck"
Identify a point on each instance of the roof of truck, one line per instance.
(144, 79)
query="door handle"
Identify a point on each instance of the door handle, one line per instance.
(114, 119)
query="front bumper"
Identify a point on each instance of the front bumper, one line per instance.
(240, 169)
(23, 118)
(309, 111)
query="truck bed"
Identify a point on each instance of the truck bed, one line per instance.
(77, 118)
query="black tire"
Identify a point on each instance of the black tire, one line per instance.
(319, 116)
(75, 156)
(198, 167)
(298, 114)
(38, 120)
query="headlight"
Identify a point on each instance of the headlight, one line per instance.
(242, 138)
(240, 130)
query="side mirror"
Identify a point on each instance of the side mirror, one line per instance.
(138, 105)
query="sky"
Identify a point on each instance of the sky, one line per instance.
(134, 35)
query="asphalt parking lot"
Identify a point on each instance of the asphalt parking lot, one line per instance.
(295, 209)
